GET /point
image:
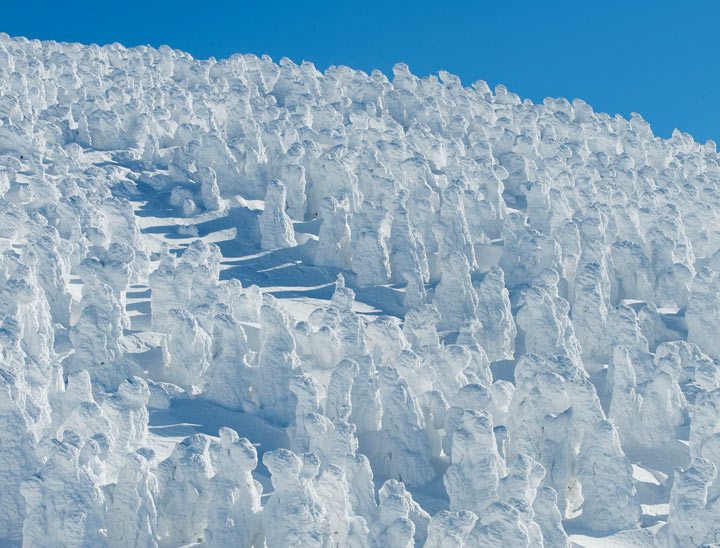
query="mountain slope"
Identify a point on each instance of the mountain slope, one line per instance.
(248, 302)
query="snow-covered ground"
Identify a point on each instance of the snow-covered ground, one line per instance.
(245, 303)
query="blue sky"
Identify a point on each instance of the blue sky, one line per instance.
(658, 58)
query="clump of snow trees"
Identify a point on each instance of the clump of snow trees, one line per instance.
(545, 282)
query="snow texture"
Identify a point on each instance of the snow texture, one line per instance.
(246, 303)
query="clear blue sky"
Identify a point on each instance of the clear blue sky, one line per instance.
(656, 57)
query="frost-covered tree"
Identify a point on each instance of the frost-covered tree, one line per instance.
(276, 229)
(234, 518)
(294, 515)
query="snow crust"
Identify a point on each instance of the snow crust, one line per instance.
(247, 303)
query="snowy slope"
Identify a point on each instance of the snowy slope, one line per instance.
(246, 303)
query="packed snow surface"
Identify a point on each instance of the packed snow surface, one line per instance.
(246, 303)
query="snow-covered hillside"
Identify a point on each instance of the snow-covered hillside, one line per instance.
(245, 303)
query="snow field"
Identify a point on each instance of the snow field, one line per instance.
(246, 303)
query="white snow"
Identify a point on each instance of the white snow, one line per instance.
(247, 303)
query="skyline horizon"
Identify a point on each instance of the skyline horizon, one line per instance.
(653, 58)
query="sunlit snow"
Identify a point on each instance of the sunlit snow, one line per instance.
(245, 303)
